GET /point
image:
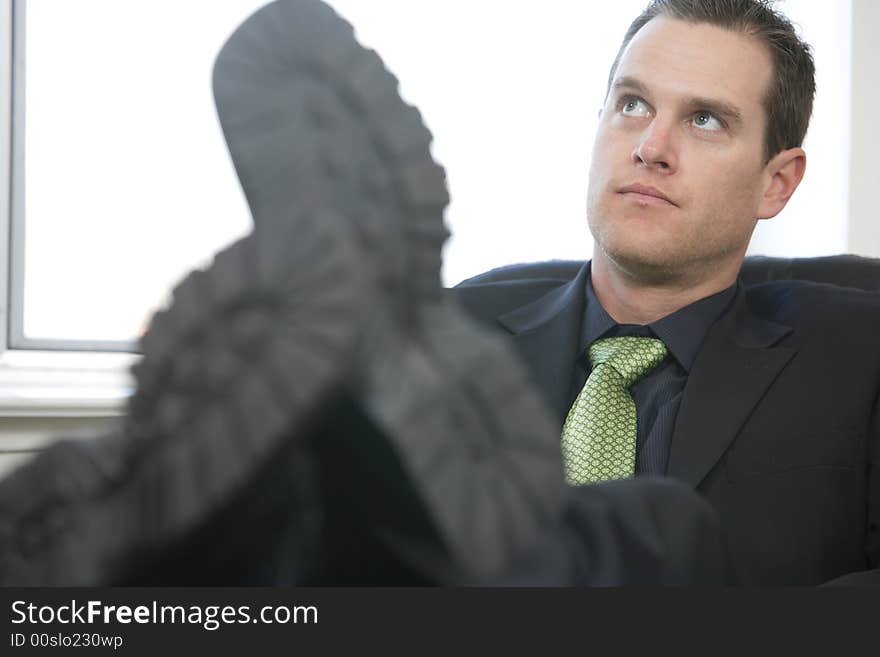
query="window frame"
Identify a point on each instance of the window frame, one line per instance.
(75, 379)
(6, 93)
(15, 337)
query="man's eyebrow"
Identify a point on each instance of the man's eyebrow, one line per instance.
(730, 113)
(629, 83)
(727, 111)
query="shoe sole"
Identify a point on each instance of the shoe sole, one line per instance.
(338, 285)
(433, 382)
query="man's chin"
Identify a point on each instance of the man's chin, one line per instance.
(650, 267)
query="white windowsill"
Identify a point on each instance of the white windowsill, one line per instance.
(64, 384)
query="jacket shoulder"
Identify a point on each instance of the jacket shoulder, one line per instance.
(829, 313)
(488, 295)
(811, 297)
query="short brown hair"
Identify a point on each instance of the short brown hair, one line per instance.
(789, 98)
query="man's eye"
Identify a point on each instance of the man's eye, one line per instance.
(633, 107)
(707, 121)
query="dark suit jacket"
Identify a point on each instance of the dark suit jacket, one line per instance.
(779, 425)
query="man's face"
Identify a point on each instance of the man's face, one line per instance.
(683, 120)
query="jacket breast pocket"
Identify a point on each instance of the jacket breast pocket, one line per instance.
(757, 454)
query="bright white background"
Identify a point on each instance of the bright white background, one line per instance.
(129, 184)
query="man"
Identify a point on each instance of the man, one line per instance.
(311, 408)
(764, 399)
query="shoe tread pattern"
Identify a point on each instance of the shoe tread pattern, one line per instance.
(238, 360)
(434, 381)
(339, 281)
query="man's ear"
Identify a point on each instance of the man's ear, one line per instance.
(782, 175)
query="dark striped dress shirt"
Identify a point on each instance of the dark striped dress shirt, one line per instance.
(657, 395)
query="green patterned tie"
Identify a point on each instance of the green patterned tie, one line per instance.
(599, 435)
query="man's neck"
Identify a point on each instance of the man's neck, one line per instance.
(630, 300)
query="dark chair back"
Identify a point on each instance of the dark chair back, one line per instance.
(843, 270)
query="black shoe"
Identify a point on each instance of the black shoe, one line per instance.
(312, 408)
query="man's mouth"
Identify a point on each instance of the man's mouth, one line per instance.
(645, 194)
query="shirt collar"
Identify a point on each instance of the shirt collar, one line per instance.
(682, 332)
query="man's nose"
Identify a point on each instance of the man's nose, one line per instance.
(656, 149)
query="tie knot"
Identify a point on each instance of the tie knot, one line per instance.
(631, 357)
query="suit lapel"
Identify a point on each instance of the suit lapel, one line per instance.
(736, 365)
(546, 333)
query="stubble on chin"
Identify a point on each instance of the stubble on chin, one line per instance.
(651, 265)
(680, 264)
(646, 269)
(655, 265)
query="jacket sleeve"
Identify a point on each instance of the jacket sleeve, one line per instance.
(869, 578)
(648, 531)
